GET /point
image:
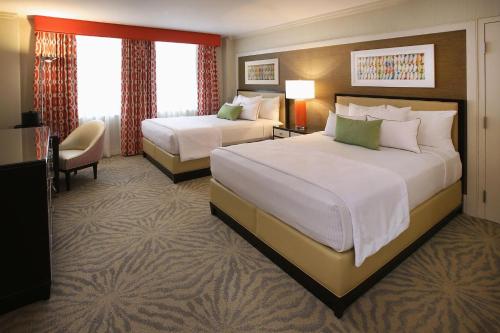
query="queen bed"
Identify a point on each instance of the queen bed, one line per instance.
(268, 194)
(161, 141)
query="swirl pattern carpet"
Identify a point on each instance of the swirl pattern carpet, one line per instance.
(134, 252)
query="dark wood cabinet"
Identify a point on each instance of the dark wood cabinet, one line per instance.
(25, 227)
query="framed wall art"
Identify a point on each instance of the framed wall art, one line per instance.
(262, 72)
(408, 66)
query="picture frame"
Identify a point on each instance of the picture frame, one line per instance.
(408, 66)
(262, 72)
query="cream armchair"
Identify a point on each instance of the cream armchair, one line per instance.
(82, 149)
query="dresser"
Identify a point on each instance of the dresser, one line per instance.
(25, 229)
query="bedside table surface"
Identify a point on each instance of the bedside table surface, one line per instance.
(307, 130)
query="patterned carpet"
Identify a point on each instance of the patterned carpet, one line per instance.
(135, 253)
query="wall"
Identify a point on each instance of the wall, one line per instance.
(10, 87)
(330, 68)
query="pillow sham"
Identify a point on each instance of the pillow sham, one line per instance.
(393, 113)
(240, 99)
(341, 109)
(399, 134)
(360, 110)
(435, 128)
(270, 108)
(358, 132)
(250, 111)
(331, 122)
(229, 111)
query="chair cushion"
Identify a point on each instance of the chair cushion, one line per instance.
(70, 159)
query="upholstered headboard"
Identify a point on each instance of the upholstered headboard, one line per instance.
(270, 94)
(459, 128)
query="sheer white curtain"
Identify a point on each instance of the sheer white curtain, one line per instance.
(176, 84)
(99, 86)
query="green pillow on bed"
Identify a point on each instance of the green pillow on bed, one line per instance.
(358, 132)
(229, 111)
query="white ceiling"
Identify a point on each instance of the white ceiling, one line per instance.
(226, 17)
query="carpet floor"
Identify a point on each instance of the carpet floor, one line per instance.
(133, 252)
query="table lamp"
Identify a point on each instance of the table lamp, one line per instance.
(299, 90)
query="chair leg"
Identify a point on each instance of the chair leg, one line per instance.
(94, 166)
(75, 172)
(67, 176)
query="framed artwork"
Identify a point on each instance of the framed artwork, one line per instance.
(262, 72)
(408, 66)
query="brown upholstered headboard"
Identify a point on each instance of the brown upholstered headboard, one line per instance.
(458, 131)
(270, 94)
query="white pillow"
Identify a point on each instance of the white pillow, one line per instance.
(270, 108)
(341, 109)
(393, 113)
(360, 110)
(331, 122)
(399, 134)
(240, 99)
(250, 110)
(435, 128)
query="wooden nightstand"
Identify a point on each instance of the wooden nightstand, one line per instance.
(281, 132)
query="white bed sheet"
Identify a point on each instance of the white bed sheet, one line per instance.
(233, 132)
(306, 207)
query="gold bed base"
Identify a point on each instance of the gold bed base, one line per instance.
(171, 164)
(331, 275)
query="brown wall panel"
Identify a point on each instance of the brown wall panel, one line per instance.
(330, 67)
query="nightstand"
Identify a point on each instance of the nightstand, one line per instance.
(281, 132)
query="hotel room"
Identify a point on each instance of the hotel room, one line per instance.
(235, 166)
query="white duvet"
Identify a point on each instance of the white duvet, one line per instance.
(350, 186)
(195, 137)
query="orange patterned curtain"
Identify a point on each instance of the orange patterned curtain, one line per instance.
(138, 92)
(57, 80)
(208, 87)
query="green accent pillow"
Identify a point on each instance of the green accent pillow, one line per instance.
(358, 132)
(229, 112)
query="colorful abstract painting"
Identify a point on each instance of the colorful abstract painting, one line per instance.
(395, 67)
(261, 72)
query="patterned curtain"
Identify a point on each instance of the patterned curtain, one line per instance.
(138, 92)
(208, 88)
(58, 79)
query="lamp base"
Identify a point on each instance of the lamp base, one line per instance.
(300, 114)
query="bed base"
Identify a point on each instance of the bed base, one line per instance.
(337, 304)
(178, 177)
(340, 283)
(171, 164)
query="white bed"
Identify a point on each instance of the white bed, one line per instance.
(233, 132)
(307, 207)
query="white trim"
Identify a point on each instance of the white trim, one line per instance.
(359, 39)
(472, 199)
(481, 133)
(367, 7)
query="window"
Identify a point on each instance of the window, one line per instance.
(99, 62)
(176, 83)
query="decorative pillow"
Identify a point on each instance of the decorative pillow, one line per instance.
(360, 110)
(399, 134)
(341, 109)
(331, 122)
(250, 110)
(270, 108)
(435, 128)
(229, 111)
(358, 132)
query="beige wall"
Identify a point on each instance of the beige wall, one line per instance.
(10, 86)
(16, 68)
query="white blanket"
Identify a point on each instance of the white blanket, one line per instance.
(196, 136)
(374, 199)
